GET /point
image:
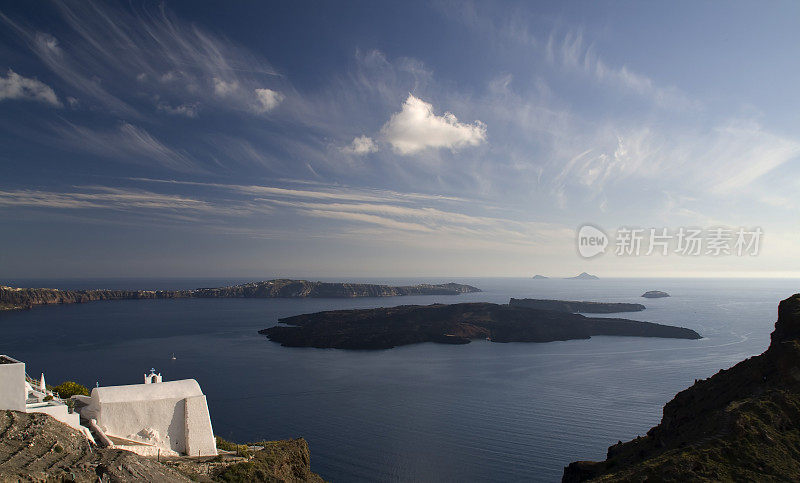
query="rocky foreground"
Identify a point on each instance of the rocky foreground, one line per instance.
(36, 447)
(384, 328)
(25, 298)
(742, 424)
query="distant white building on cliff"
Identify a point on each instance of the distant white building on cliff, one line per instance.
(167, 418)
(19, 392)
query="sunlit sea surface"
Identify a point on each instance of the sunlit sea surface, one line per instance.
(427, 412)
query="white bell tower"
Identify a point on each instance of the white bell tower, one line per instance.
(152, 378)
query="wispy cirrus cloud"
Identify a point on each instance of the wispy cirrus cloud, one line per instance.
(430, 216)
(384, 214)
(126, 142)
(102, 197)
(425, 218)
(114, 53)
(571, 50)
(716, 161)
(321, 191)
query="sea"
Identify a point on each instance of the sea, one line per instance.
(426, 412)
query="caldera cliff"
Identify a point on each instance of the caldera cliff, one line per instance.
(742, 424)
(12, 298)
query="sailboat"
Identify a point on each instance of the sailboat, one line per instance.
(173, 356)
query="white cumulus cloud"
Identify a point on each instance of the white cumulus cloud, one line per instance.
(16, 86)
(267, 99)
(361, 145)
(416, 128)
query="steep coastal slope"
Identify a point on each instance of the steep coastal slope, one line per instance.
(573, 306)
(384, 328)
(278, 461)
(36, 447)
(24, 298)
(742, 424)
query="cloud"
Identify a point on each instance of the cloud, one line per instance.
(390, 214)
(570, 51)
(126, 142)
(416, 128)
(112, 54)
(717, 160)
(360, 146)
(321, 193)
(267, 100)
(14, 86)
(742, 153)
(102, 197)
(224, 88)
(436, 224)
(188, 109)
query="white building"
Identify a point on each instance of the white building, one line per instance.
(18, 392)
(167, 418)
(154, 418)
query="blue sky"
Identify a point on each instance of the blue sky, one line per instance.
(378, 139)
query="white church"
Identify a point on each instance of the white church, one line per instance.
(154, 418)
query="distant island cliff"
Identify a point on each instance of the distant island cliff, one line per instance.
(584, 276)
(573, 306)
(384, 328)
(24, 298)
(742, 424)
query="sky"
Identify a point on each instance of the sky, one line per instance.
(394, 139)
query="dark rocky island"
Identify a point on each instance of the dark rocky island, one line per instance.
(584, 276)
(384, 328)
(742, 424)
(655, 294)
(24, 298)
(573, 306)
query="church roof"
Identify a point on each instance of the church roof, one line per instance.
(147, 392)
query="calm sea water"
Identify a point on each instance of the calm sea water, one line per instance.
(427, 412)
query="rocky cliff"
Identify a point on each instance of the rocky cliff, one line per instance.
(288, 460)
(742, 424)
(384, 328)
(24, 298)
(36, 447)
(574, 306)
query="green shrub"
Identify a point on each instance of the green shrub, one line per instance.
(240, 449)
(68, 389)
(48, 398)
